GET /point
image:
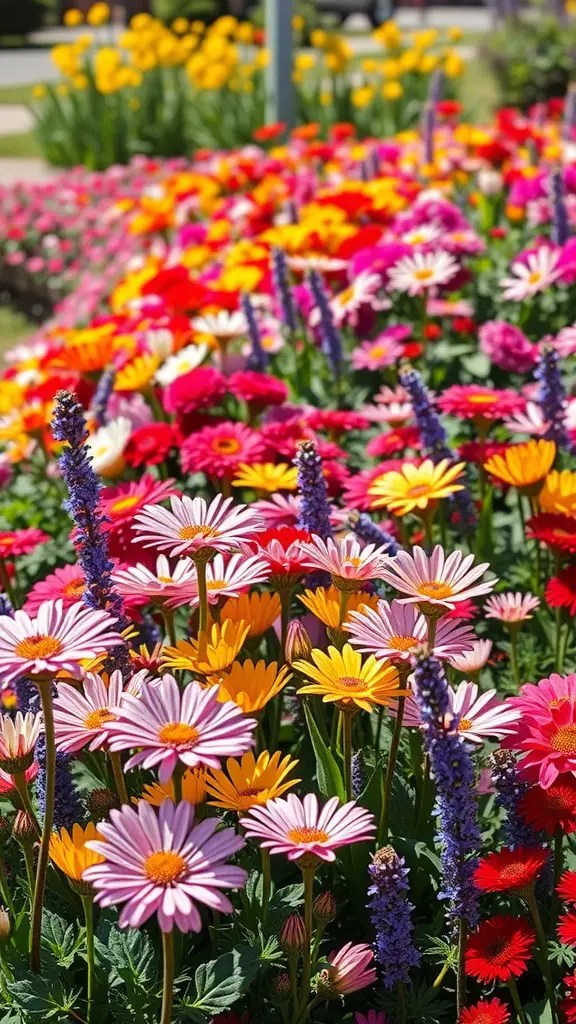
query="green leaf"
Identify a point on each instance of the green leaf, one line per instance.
(58, 936)
(330, 782)
(538, 1013)
(219, 983)
(130, 954)
(38, 995)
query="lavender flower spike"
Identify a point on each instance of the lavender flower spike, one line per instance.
(510, 789)
(331, 338)
(257, 359)
(283, 290)
(458, 834)
(314, 505)
(368, 531)
(390, 915)
(102, 396)
(428, 128)
(552, 397)
(68, 425)
(560, 220)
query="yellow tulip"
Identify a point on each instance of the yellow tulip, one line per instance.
(98, 14)
(73, 17)
(180, 26)
(363, 96)
(392, 90)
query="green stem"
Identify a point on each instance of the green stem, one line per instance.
(177, 783)
(28, 852)
(516, 1001)
(202, 608)
(286, 608)
(438, 981)
(344, 595)
(266, 885)
(530, 900)
(5, 888)
(379, 724)
(168, 977)
(558, 641)
(22, 789)
(169, 625)
(308, 877)
(119, 780)
(432, 624)
(89, 919)
(461, 974)
(400, 1003)
(45, 688)
(389, 777)
(293, 969)
(558, 855)
(347, 718)
(514, 655)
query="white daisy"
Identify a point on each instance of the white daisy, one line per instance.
(184, 361)
(222, 325)
(537, 274)
(106, 447)
(416, 274)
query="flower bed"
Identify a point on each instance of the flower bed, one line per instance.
(301, 631)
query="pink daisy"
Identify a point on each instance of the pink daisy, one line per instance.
(67, 584)
(374, 355)
(348, 970)
(121, 503)
(538, 701)
(297, 827)
(472, 401)
(21, 542)
(473, 660)
(278, 510)
(345, 559)
(549, 745)
(7, 784)
(218, 451)
(57, 639)
(172, 725)
(511, 607)
(164, 586)
(230, 577)
(192, 525)
(481, 715)
(535, 275)
(18, 737)
(80, 715)
(434, 581)
(395, 630)
(164, 864)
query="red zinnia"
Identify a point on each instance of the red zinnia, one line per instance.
(487, 1011)
(561, 590)
(557, 531)
(393, 441)
(199, 389)
(510, 870)
(567, 886)
(567, 929)
(257, 389)
(500, 948)
(568, 1005)
(218, 451)
(151, 444)
(551, 809)
(21, 542)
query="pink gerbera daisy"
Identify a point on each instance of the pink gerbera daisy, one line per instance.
(539, 700)
(80, 716)
(348, 970)
(164, 864)
(67, 584)
(480, 715)
(374, 355)
(193, 525)
(7, 784)
(120, 504)
(171, 725)
(298, 827)
(21, 542)
(549, 744)
(395, 630)
(278, 510)
(348, 563)
(510, 607)
(218, 451)
(473, 660)
(57, 639)
(474, 401)
(435, 582)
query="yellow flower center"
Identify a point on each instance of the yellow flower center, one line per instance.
(559, 701)
(534, 277)
(424, 274)
(345, 296)
(215, 584)
(164, 867)
(75, 588)
(351, 682)
(377, 351)
(190, 532)
(96, 719)
(38, 646)
(403, 643)
(435, 589)
(565, 740)
(165, 579)
(226, 445)
(179, 734)
(123, 503)
(480, 399)
(307, 835)
(464, 723)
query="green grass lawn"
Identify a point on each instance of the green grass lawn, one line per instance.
(19, 94)
(14, 327)
(20, 145)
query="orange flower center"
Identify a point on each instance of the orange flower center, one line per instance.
(75, 588)
(423, 275)
(38, 646)
(215, 584)
(345, 296)
(418, 491)
(164, 867)
(403, 643)
(480, 399)
(351, 682)
(565, 740)
(435, 589)
(96, 719)
(226, 445)
(123, 503)
(534, 277)
(165, 579)
(179, 734)
(190, 532)
(465, 723)
(308, 835)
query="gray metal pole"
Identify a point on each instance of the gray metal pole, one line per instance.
(279, 85)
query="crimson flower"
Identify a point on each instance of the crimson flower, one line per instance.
(175, 286)
(151, 444)
(281, 548)
(258, 389)
(557, 531)
(561, 590)
(550, 809)
(336, 421)
(487, 1011)
(567, 886)
(568, 1005)
(21, 542)
(393, 441)
(118, 505)
(218, 451)
(567, 928)
(510, 870)
(499, 949)
(201, 388)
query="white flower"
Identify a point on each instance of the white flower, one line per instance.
(222, 325)
(530, 421)
(106, 447)
(325, 264)
(184, 361)
(165, 585)
(421, 235)
(160, 342)
(472, 661)
(361, 292)
(415, 274)
(540, 272)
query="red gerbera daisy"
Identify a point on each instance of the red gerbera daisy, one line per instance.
(568, 1005)
(257, 389)
(21, 542)
(201, 388)
(567, 929)
(487, 1011)
(500, 948)
(218, 451)
(510, 870)
(393, 441)
(557, 531)
(472, 401)
(553, 808)
(561, 590)
(119, 505)
(480, 451)
(567, 886)
(151, 444)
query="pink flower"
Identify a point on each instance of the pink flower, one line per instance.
(172, 725)
(17, 740)
(507, 346)
(346, 560)
(192, 525)
(538, 701)
(80, 717)
(348, 971)
(374, 355)
(56, 639)
(164, 586)
(67, 583)
(21, 542)
(7, 784)
(511, 607)
(300, 827)
(164, 865)
(395, 630)
(475, 659)
(434, 580)
(537, 273)
(480, 715)
(278, 510)
(372, 1017)
(218, 451)
(549, 745)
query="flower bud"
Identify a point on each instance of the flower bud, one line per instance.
(324, 908)
(100, 802)
(293, 935)
(24, 829)
(282, 985)
(298, 643)
(4, 925)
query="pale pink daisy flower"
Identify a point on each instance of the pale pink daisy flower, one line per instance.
(164, 864)
(396, 414)
(435, 582)
(57, 639)
(540, 699)
(480, 715)
(17, 740)
(511, 607)
(172, 725)
(387, 395)
(222, 325)
(193, 526)
(80, 716)
(395, 630)
(7, 784)
(376, 354)
(162, 586)
(474, 660)
(421, 235)
(538, 273)
(528, 421)
(300, 827)
(347, 561)
(347, 304)
(325, 264)
(349, 970)
(278, 510)
(415, 274)
(230, 577)
(565, 342)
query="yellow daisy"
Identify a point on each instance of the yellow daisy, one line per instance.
(340, 676)
(251, 686)
(70, 853)
(250, 782)
(324, 603)
(523, 465)
(224, 644)
(260, 611)
(193, 788)
(137, 375)
(559, 493)
(413, 488)
(265, 476)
